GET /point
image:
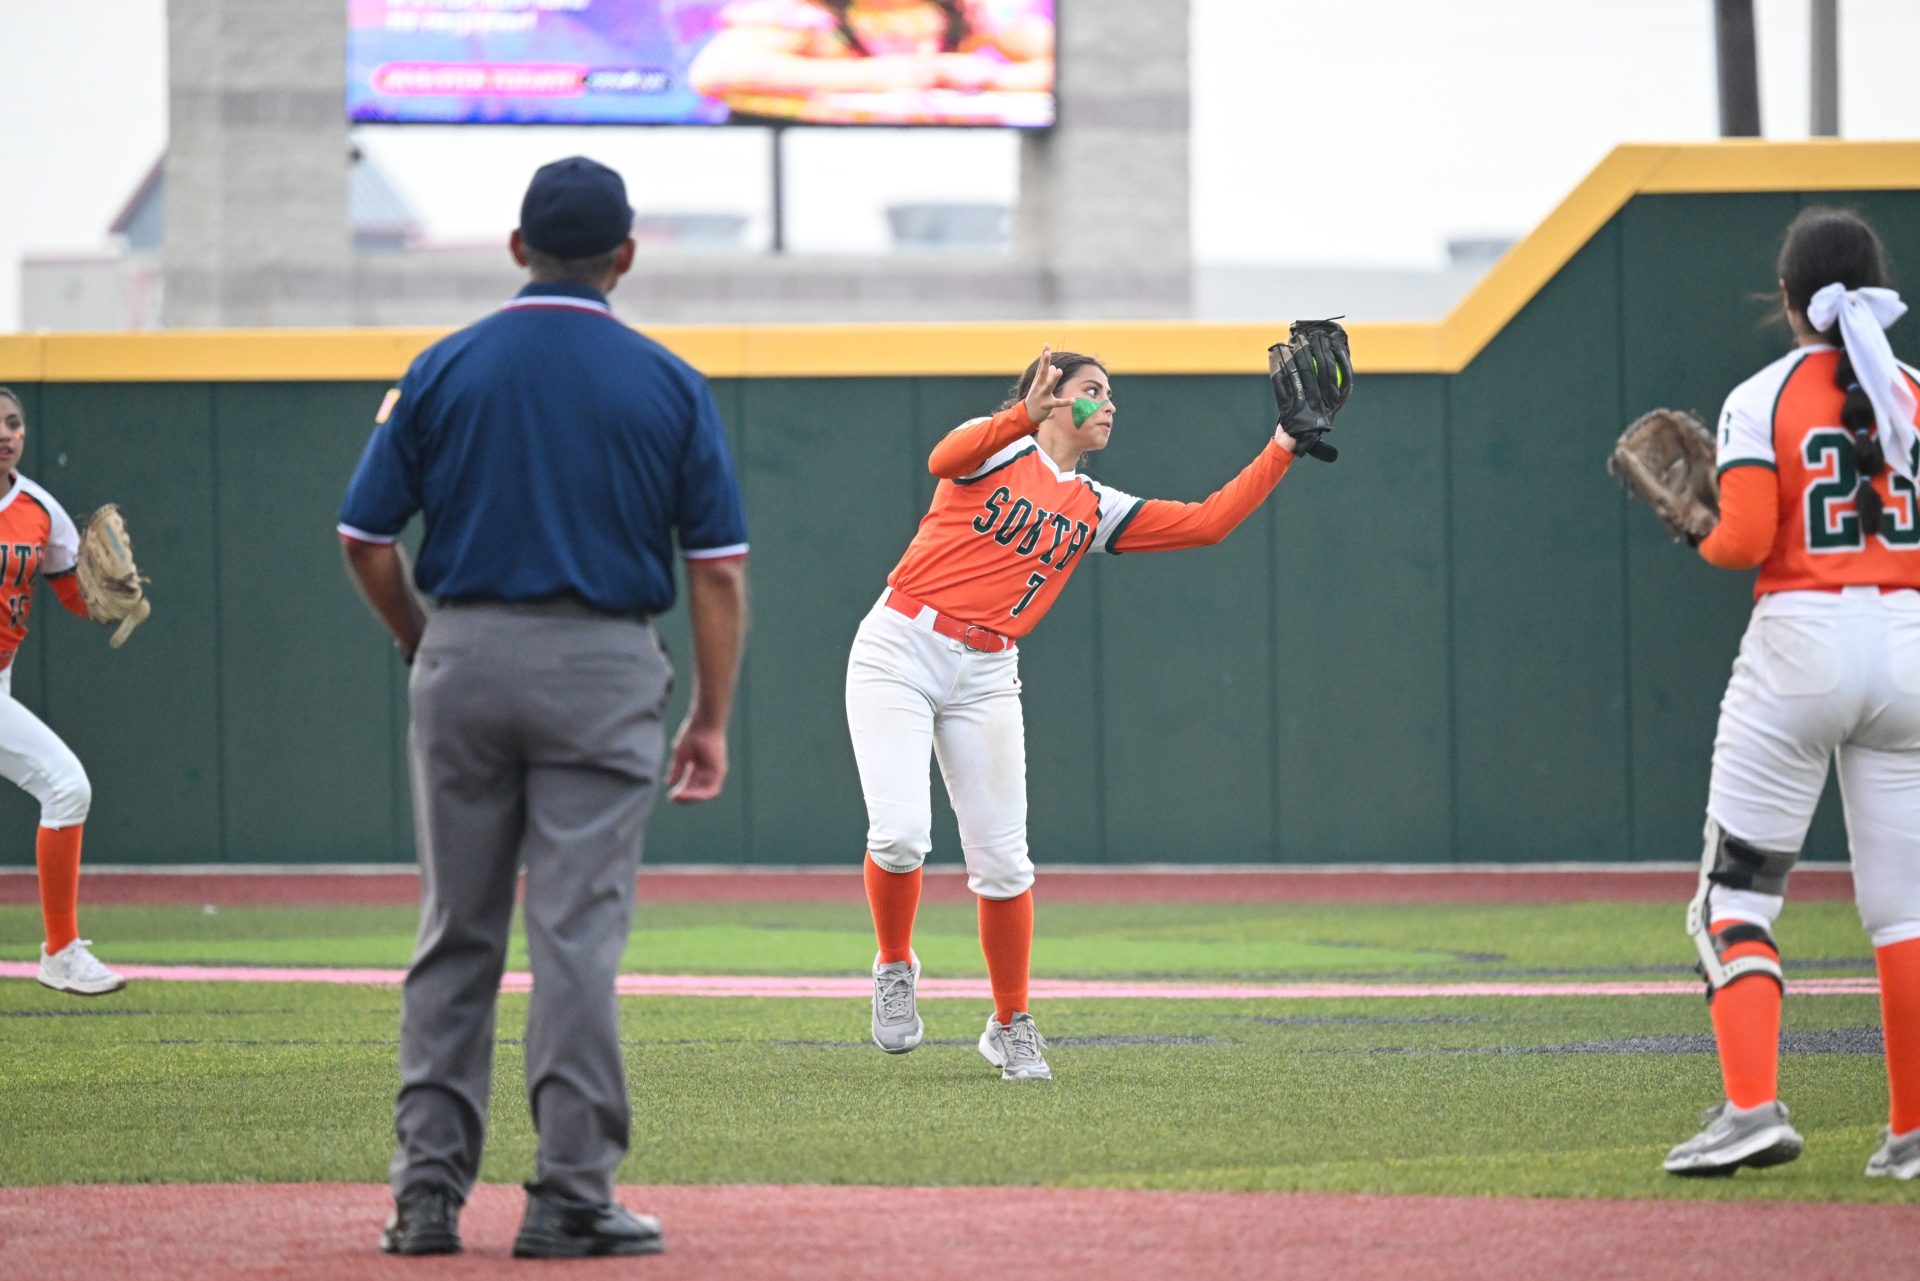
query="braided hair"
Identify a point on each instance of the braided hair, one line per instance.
(950, 40)
(1823, 246)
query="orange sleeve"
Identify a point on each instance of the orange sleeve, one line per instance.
(67, 588)
(1749, 519)
(965, 448)
(1163, 525)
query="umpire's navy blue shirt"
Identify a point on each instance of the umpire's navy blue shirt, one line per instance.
(554, 451)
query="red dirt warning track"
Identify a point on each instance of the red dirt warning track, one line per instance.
(298, 1231)
(1057, 885)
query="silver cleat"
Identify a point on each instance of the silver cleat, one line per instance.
(896, 1019)
(1731, 1138)
(1897, 1158)
(1015, 1049)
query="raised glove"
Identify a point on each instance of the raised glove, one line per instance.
(1312, 376)
(1666, 457)
(110, 583)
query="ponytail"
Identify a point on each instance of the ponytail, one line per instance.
(1856, 415)
(1822, 247)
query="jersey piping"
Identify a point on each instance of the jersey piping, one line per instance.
(560, 301)
(1020, 450)
(362, 536)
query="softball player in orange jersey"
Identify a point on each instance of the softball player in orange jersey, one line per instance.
(935, 668)
(38, 539)
(1818, 460)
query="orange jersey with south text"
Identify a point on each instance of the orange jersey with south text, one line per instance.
(1786, 418)
(37, 538)
(1007, 527)
(1000, 541)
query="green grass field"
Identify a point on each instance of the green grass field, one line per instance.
(1543, 1096)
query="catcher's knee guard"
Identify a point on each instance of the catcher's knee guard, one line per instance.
(1719, 972)
(1738, 865)
(1733, 863)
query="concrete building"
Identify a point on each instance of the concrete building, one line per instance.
(120, 287)
(259, 228)
(263, 213)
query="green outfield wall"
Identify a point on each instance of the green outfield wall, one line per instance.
(1458, 644)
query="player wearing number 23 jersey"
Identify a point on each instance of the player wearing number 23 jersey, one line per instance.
(1786, 420)
(1819, 454)
(935, 668)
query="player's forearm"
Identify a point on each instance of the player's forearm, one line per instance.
(1162, 525)
(1749, 519)
(965, 448)
(717, 601)
(66, 587)
(379, 570)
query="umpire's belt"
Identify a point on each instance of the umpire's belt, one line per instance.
(567, 605)
(972, 635)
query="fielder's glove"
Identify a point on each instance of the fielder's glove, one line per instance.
(1666, 457)
(110, 583)
(1312, 376)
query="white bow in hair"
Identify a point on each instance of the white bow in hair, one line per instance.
(1883, 305)
(1864, 315)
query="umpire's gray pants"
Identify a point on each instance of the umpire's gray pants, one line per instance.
(535, 740)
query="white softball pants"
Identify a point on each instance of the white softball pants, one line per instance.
(911, 692)
(1825, 675)
(33, 758)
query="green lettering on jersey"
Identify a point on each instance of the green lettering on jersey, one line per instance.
(1832, 523)
(1016, 520)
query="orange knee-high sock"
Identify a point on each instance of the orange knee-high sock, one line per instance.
(1899, 966)
(1746, 1026)
(1006, 938)
(894, 899)
(56, 852)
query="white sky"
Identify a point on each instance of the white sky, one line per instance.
(1395, 125)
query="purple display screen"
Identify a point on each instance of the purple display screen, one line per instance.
(680, 62)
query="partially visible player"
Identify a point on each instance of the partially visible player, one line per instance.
(38, 540)
(935, 668)
(1818, 455)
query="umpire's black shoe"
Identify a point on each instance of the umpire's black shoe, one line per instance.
(424, 1221)
(559, 1227)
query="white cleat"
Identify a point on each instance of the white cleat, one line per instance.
(896, 1018)
(1015, 1049)
(75, 969)
(1897, 1158)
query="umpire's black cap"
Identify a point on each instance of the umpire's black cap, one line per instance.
(575, 208)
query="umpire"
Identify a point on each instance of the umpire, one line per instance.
(557, 456)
